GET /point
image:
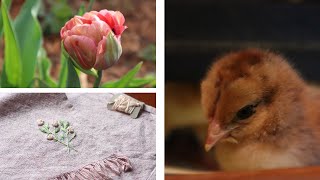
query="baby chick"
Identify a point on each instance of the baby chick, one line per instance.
(261, 113)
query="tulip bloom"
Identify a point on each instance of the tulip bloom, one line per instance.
(93, 40)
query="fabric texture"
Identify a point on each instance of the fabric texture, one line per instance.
(101, 170)
(27, 154)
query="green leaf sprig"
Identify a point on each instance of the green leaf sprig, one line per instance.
(59, 131)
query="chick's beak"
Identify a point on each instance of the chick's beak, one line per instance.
(215, 133)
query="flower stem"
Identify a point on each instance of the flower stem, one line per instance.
(68, 143)
(97, 82)
(65, 145)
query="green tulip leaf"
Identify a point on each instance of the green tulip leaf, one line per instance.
(149, 80)
(12, 59)
(44, 66)
(142, 82)
(63, 69)
(8, 3)
(41, 84)
(72, 77)
(4, 78)
(63, 72)
(125, 80)
(29, 37)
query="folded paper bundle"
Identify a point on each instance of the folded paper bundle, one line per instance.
(107, 142)
(126, 104)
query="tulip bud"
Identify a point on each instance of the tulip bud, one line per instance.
(93, 41)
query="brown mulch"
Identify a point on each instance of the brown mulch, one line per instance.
(141, 21)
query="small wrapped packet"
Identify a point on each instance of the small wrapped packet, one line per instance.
(126, 104)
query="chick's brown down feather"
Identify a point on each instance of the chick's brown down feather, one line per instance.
(261, 113)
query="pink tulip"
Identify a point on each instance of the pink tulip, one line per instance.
(93, 40)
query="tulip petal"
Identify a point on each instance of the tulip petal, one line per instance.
(119, 18)
(114, 19)
(119, 21)
(118, 29)
(94, 31)
(100, 59)
(92, 15)
(86, 30)
(82, 49)
(82, 20)
(106, 16)
(108, 52)
(77, 20)
(102, 27)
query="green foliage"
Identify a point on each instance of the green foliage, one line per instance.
(147, 81)
(60, 12)
(125, 80)
(29, 36)
(148, 53)
(63, 71)
(12, 63)
(25, 31)
(44, 66)
(8, 3)
(98, 80)
(72, 78)
(81, 10)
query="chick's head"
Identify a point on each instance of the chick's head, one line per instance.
(246, 95)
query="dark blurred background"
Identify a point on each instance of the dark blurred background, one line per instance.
(197, 31)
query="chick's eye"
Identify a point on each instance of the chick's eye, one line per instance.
(246, 112)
